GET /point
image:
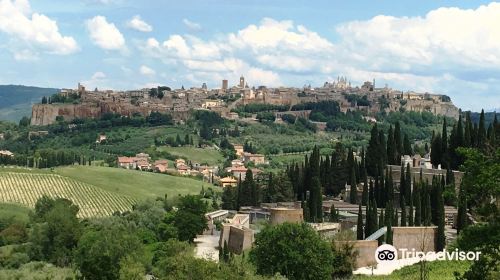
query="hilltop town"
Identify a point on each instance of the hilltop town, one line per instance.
(83, 103)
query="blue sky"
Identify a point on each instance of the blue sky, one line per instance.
(448, 47)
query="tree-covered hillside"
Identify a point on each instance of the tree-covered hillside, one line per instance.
(16, 100)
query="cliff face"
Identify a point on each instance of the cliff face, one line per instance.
(437, 108)
(45, 114)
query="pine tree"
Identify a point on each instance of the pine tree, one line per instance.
(359, 230)
(403, 212)
(462, 209)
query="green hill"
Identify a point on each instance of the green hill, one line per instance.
(98, 191)
(16, 100)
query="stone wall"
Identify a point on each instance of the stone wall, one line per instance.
(418, 238)
(365, 251)
(282, 215)
(240, 239)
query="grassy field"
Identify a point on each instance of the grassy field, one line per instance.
(442, 270)
(208, 155)
(98, 191)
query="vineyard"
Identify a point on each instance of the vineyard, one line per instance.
(26, 188)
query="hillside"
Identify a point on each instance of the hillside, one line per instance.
(99, 191)
(16, 100)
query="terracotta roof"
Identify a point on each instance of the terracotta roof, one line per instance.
(125, 160)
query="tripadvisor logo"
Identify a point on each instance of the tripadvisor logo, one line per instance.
(387, 252)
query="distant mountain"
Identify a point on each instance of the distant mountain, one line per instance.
(488, 117)
(16, 100)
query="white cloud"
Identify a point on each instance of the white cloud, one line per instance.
(191, 25)
(444, 38)
(104, 34)
(449, 50)
(98, 76)
(146, 71)
(138, 24)
(33, 30)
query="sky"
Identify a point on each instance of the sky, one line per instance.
(445, 47)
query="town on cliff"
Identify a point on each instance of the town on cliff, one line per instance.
(81, 103)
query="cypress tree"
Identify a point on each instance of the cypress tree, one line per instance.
(427, 221)
(359, 230)
(396, 218)
(403, 212)
(374, 216)
(468, 131)
(398, 142)
(389, 216)
(402, 185)
(407, 146)
(481, 133)
(334, 215)
(462, 209)
(353, 195)
(381, 218)
(305, 211)
(410, 211)
(444, 145)
(391, 147)
(372, 152)
(364, 196)
(382, 148)
(436, 151)
(408, 183)
(368, 219)
(441, 239)
(418, 212)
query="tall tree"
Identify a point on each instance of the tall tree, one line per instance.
(398, 141)
(441, 239)
(410, 211)
(391, 147)
(334, 215)
(372, 152)
(403, 212)
(389, 217)
(359, 228)
(444, 145)
(468, 131)
(481, 133)
(418, 203)
(462, 209)
(407, 150)
(353, 195)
